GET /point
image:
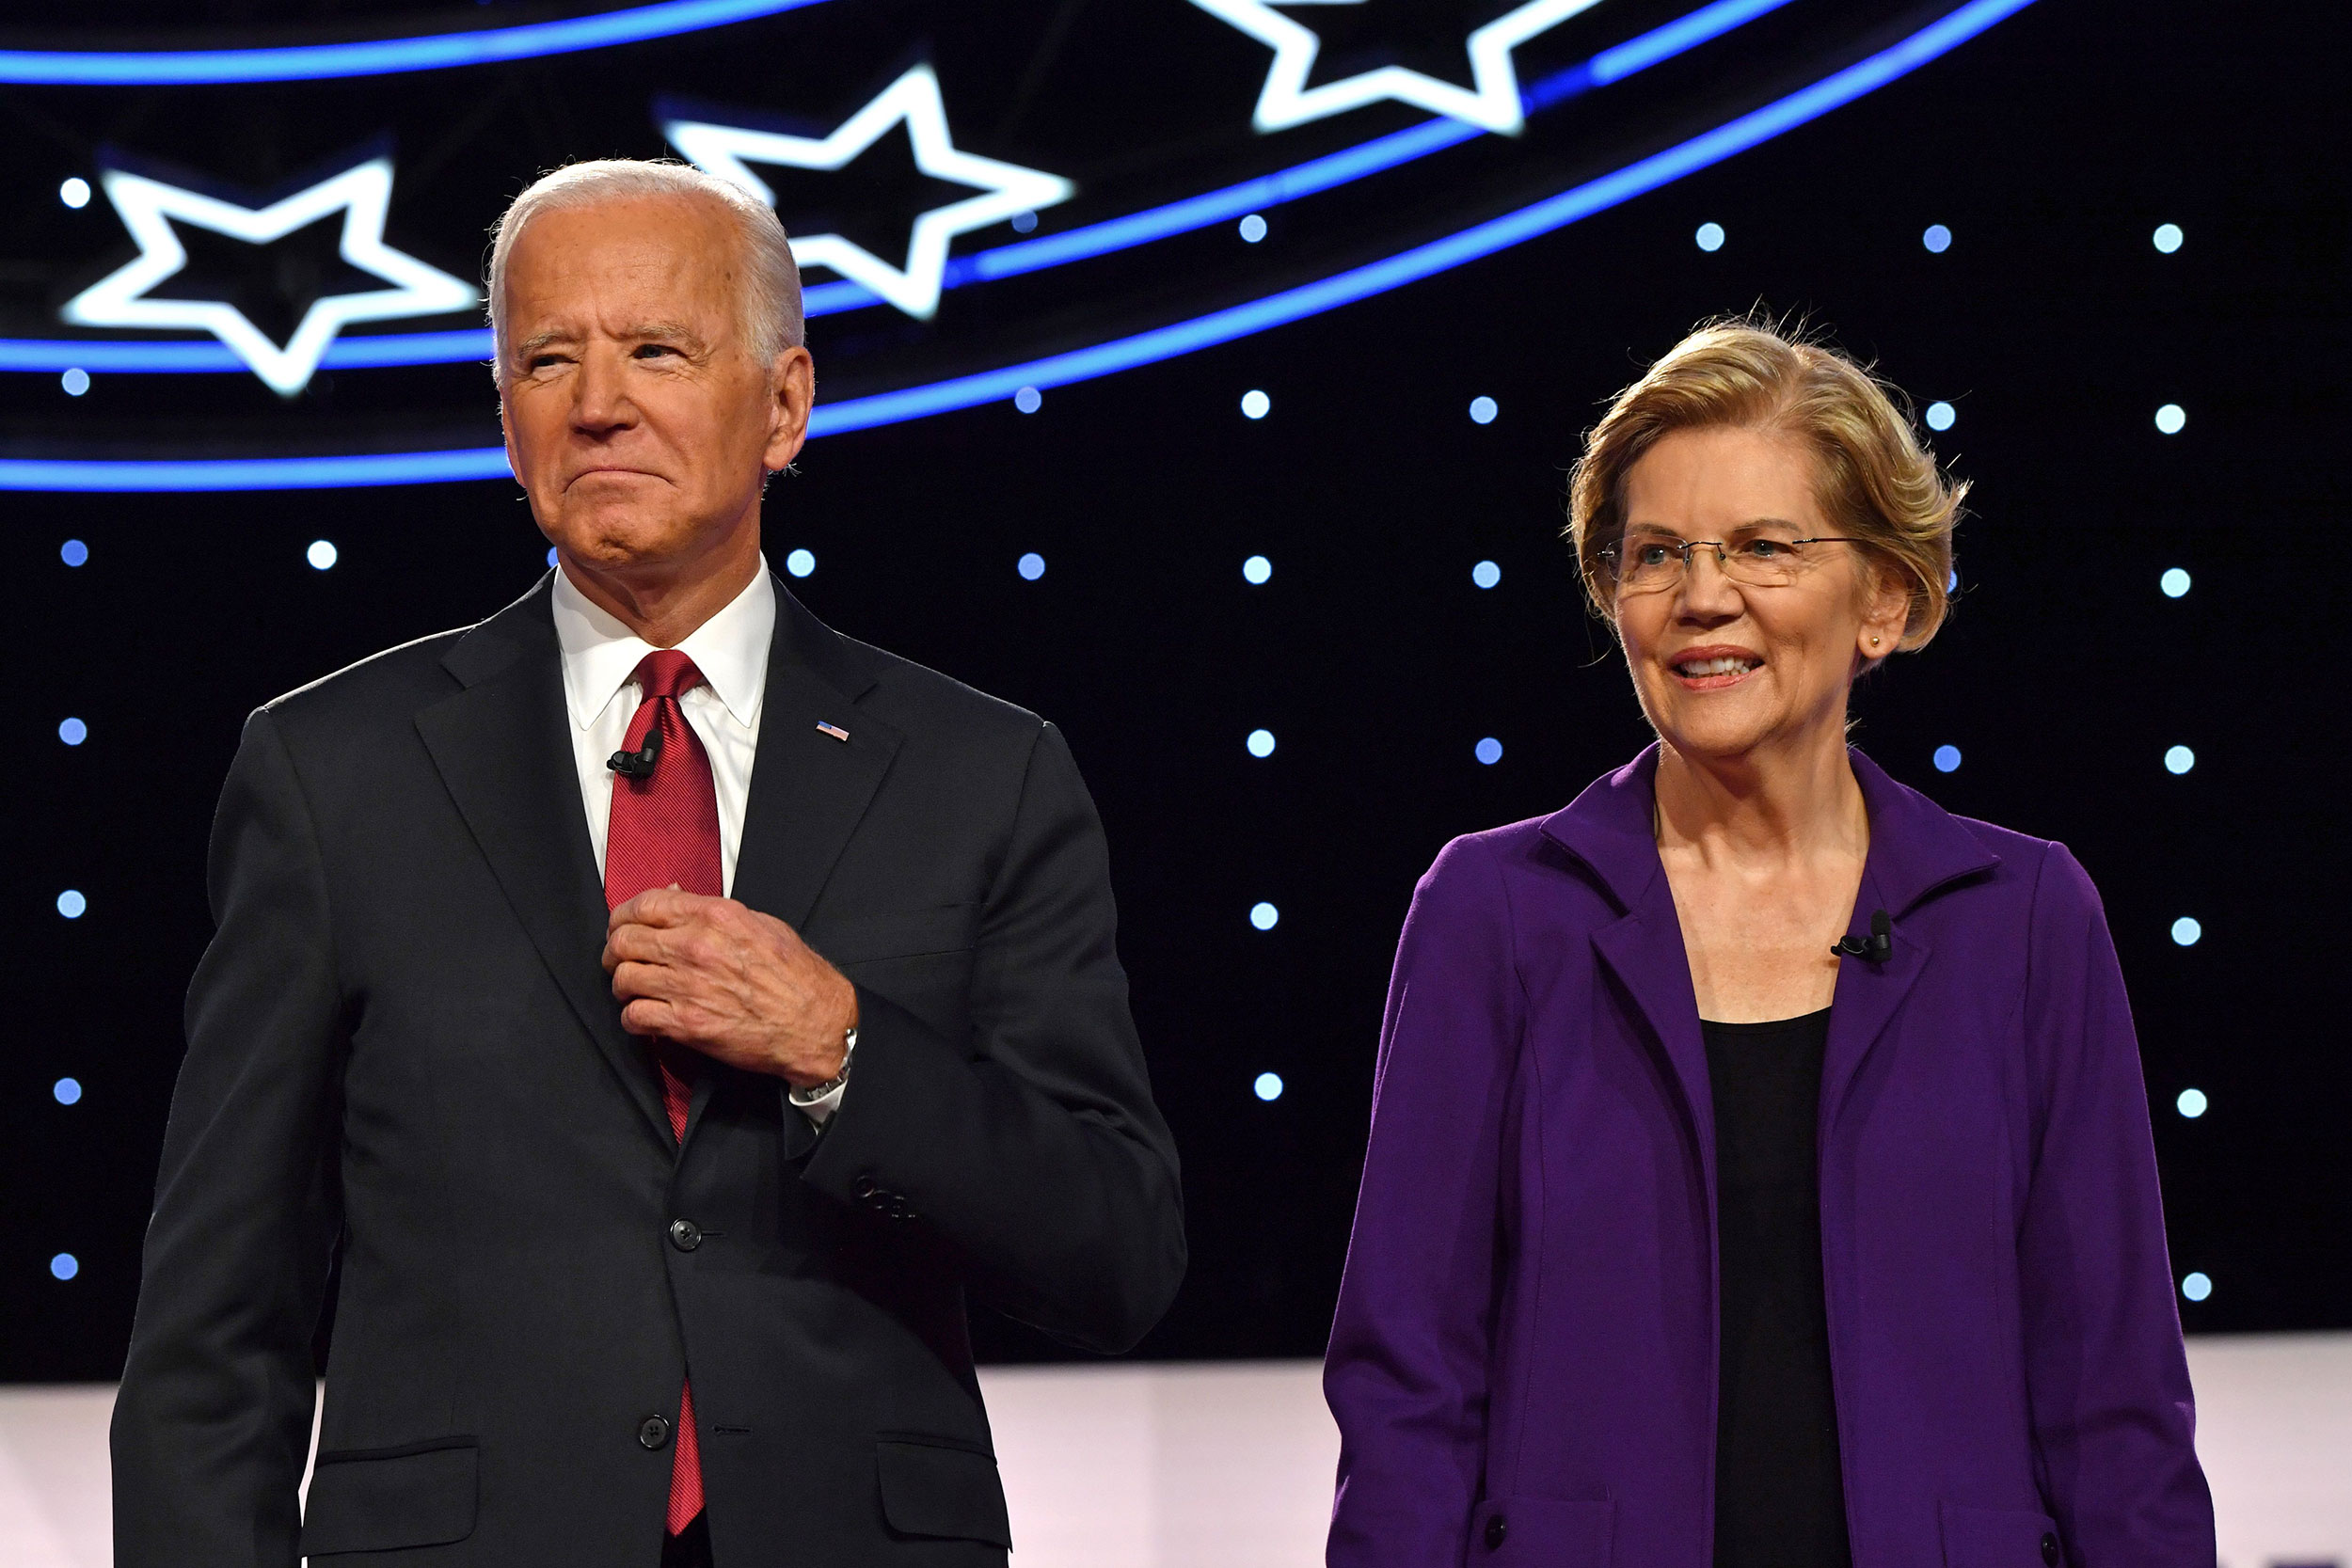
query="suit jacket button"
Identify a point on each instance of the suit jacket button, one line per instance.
(1497, 1528)
(685, 1235)
(654, 1431)
(2049, 1550)
(863, 1187)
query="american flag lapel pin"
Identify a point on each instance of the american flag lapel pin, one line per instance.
(834, 730)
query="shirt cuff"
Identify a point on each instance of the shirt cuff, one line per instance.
(820, 1110)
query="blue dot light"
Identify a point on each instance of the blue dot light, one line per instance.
(2171, 419)
(74, 192)
(1264, 916)
(2186, 931)
(2174, 582)
(1711, 236)
(801, 562)
(74, 552)
(1486, 574)
(1255, 404)
(321, 555)
(1948, 759)
(1031, 567)
(1268, 1086)
(1261, 743)
(76, 381)
(2179, 759)
(1484, 409)
(1029, 399)
(2195, 1286)
(2168, 237)
(73, 732)
(1489, 751)
(72, 905)
(1024, 223)
(1938, 239)
(2191, 1104)
(1940, 416)
(68, 1091)
(1252, 228)
(64, 1266)
(550, 557)
(1257, 570)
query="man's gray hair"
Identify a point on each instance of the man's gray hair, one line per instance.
(771, 291)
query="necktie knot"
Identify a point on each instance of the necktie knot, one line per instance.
(666, 673)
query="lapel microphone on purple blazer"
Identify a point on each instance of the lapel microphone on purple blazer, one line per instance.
(1877, 947)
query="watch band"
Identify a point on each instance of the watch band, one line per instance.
(816, 1092)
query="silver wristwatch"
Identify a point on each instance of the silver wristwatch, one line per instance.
(816, 1092)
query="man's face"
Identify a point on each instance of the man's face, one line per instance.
(635, 414)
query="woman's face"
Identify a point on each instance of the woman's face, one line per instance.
(1727, 669)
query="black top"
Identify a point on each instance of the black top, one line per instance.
(1780, 1497)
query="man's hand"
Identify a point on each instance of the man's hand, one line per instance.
(738, 986)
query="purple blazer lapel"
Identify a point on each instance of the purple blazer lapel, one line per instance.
(1644, 953)
(1917, 849)
(1607, 829)
(1867, 996)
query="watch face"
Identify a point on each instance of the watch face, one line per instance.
(275, 253)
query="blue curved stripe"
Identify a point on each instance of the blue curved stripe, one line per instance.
(312, 62)
(255, 474)
(1008, 260)
(1363, 282)
(1660, 43)
(1667, 39)
(1144, 348)
(131, 355)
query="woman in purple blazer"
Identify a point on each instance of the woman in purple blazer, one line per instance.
(1760, 1172)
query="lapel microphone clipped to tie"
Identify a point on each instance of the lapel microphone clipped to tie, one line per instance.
(1878, 946)
(640, 764)
(637, 765)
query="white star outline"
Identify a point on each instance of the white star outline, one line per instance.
(362, 193)
(1493, 103)
(1007, 189)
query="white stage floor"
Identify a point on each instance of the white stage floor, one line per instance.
(1228, 1466)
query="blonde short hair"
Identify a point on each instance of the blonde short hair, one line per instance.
(1876, 482)
(771, 282)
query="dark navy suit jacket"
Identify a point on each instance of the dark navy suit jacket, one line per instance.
(404, 1059)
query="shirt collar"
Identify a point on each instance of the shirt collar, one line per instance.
(730, 649)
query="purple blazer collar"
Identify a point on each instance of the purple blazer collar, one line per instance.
(1916, 846)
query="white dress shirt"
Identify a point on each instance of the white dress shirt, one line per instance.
(601, 696)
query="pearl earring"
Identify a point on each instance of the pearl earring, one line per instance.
(1874, 641)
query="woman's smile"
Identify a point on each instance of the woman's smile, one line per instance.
(1715, 668)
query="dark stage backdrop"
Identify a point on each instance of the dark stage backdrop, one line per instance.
(2052, 148)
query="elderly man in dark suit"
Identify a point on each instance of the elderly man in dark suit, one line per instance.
(664, 1009)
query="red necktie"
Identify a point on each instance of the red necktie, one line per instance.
(664, 829)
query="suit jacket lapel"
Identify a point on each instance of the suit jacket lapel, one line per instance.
(1645, 951)
(505, 756)
(809, 788)
(1867, 996)
(1607, 829)
(1917, 852)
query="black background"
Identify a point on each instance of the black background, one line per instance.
(2052, 146)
